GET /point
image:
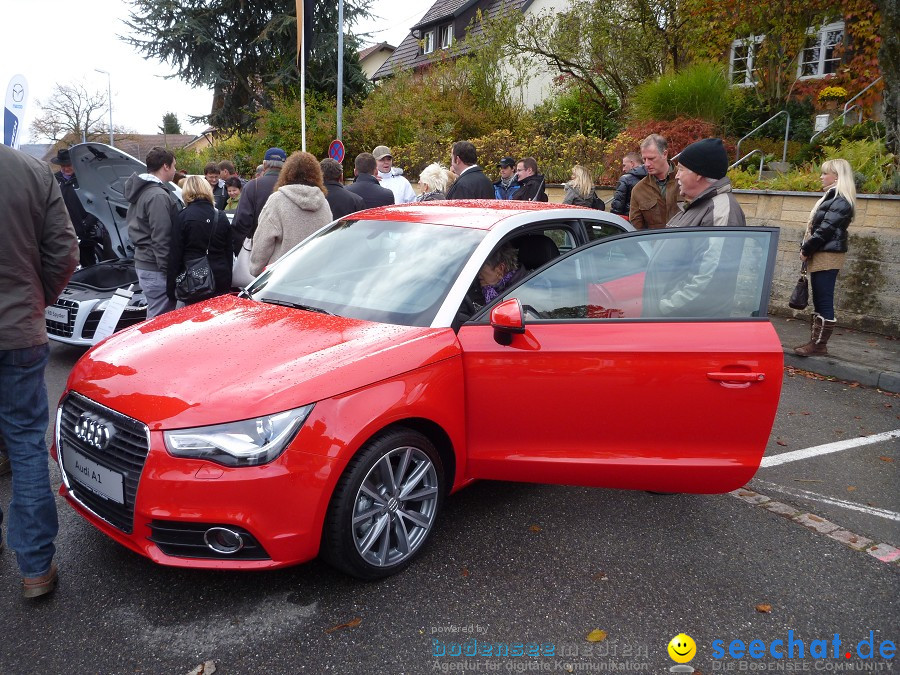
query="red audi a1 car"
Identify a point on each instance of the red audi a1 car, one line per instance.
(332, 406)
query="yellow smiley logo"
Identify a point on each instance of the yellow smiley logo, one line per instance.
(682, 648)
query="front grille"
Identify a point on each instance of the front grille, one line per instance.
(185, 540)
(128, 318)
(125, 454)
(59, 328)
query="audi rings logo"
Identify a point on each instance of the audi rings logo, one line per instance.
(93, 432)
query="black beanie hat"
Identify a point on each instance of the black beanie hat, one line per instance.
(706, 158)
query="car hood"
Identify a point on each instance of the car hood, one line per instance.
(101, 171)
(231, 358)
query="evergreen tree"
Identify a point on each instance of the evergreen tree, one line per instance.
(170, 124)
(247, 51)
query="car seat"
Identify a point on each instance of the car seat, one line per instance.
(535, 250)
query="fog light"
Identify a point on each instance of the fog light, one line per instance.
(222, 540)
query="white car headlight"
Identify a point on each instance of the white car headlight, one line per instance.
(244, 443)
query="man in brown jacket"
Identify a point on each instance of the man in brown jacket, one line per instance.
(654, 200)
(39, 254)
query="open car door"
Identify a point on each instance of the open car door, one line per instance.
(643, 361)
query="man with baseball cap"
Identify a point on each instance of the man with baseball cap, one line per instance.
(391, 176)
(254, 196)
(506, 187)
(701, 176)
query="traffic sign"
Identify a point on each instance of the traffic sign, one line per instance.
(336, 151)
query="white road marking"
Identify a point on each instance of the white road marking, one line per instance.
(812, 496)
(785, 457)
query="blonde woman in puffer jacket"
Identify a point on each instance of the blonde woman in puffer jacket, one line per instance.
(824, 248)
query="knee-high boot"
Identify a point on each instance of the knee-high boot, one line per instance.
(814, 329)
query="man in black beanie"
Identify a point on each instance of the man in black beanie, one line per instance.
(707, 265)
(701, 178)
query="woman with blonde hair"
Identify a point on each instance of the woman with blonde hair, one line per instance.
(295, 210)
(824, 248)
(433, 180)
(198, 230)
(580, 190)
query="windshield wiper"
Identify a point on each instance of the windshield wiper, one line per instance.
(297, 305)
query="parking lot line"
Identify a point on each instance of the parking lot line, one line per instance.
(812, 496)
(838, 446)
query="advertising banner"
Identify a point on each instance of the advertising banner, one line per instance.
(14, 110)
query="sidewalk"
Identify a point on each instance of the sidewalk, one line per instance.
(868, 358)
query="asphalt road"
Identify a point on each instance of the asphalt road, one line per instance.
(518, 564)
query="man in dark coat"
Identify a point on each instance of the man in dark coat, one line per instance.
(507, 186)
(254, 196)
(342, 201)
(471, 183)
(38, 256)
(89, 230)
(366, 185)
(633, 172)
(532, 182)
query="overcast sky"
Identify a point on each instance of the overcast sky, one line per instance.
(63, 41)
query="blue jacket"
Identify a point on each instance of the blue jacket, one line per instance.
(501, 192)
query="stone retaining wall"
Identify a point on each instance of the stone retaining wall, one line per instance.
(867, 295)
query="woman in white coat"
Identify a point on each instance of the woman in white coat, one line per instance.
(295, 210)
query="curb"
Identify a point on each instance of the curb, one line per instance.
(832, 366)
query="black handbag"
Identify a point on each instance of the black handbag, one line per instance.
(197, 281)
(800, 296)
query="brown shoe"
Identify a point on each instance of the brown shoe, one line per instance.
(33, 587)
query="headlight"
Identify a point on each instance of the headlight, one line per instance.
(244, 443)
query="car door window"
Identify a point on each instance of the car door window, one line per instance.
(597, 229)
(691, 273)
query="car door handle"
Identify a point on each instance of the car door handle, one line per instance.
(736, 380)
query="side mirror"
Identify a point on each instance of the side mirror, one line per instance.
(507, 320)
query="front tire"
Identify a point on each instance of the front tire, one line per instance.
(385, 505)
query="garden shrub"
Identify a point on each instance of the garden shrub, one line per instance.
(700, 90)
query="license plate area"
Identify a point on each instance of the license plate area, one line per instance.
(56, 314)
(96, 478)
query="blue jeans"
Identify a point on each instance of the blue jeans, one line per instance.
(24, 416)
(822, 285)
(153, 284)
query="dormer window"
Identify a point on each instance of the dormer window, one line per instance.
(428, 45)
(446, 34)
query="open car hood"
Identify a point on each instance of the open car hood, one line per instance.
(101, 171)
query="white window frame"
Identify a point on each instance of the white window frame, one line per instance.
(752, 43)
(428, 42)
(819, 34)
(446, 35)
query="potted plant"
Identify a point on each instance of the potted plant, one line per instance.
(831, 97)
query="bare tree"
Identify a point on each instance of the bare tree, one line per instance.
(71, 112)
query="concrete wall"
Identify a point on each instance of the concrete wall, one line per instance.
(867, 295)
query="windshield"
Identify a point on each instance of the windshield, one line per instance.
(376, 270)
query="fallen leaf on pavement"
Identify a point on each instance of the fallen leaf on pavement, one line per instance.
(535, 528)
(352, 623)
(764, 609)
(851, 488)
(465, 572)
(596, 635)
(205, 668)
(782, 443)
(601, 576)
(886, 459)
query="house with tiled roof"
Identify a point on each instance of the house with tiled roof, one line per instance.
(448, 22)
(372, 58)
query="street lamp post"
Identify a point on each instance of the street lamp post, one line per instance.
(108, 102)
